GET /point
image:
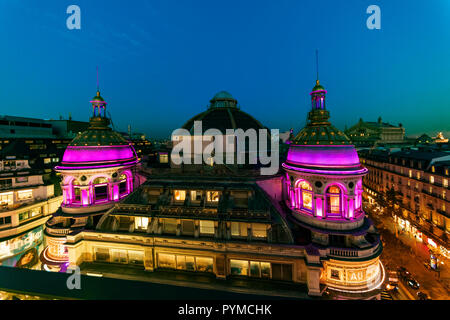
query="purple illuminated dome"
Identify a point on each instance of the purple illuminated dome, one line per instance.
(99, 146)
(320, 147)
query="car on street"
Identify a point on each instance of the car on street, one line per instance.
(403, 273)
(412, 283)
(422, 295)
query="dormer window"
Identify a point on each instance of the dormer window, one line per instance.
(179, 195)
(212, 196)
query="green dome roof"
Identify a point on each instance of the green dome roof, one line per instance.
(318, 87)
(99, 137)
(223, 95)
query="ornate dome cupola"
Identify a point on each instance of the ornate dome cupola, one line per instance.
(98, 169)
(323, 191)
(101, 156)
(99, 118)
(223, 100)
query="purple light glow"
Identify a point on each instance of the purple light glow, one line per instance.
(323, 156)
(83, 154)
(97, 167)
(327, 172)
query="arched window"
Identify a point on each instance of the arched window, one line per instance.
(76, 191)
(123, 184)
(304, 195)
(100, 185)
(334, 201)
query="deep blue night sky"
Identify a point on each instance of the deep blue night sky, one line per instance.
(161, 61)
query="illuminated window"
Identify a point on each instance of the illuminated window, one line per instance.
(259, 230)
(445, 183)
(260, 269)
(166, 261)
(119, 256)
(443, 194)
(432, 169)
(204, 264)
(47, 160)
(305, 196)
(238, 229)
(196, 195)
(431, 179)
(239, 267)
(186, 263)
(418, 175)
(141, 223)
(179, 195)
(334, 200)
(410, 173)
(206, 227)
(212, 196)
(135, 257)
(6, 198)
(24, 195)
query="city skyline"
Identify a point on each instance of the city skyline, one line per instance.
(158, 59)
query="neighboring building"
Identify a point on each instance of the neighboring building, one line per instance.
(27, 200)
(68, 129)
(19, 127)
(423, 139)
(304, 227)
(97, 170)
(421, 179)
(368, 134)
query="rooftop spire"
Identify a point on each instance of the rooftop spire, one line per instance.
(98, 91)
(317, 66)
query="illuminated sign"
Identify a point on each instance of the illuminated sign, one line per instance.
(356, 275)
(21, 243)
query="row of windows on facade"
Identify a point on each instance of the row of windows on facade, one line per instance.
(7, 198)
(303, 198)
(206, 227)
(23, 216)
(7, 183)
(394, 168)
(419, 165)
(100, 189)
(431, 180)
(247, 268)
(196, 195)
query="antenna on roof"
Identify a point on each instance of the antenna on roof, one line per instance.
(97, 78)
(317, 63)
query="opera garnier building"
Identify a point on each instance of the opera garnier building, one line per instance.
(301, 227)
